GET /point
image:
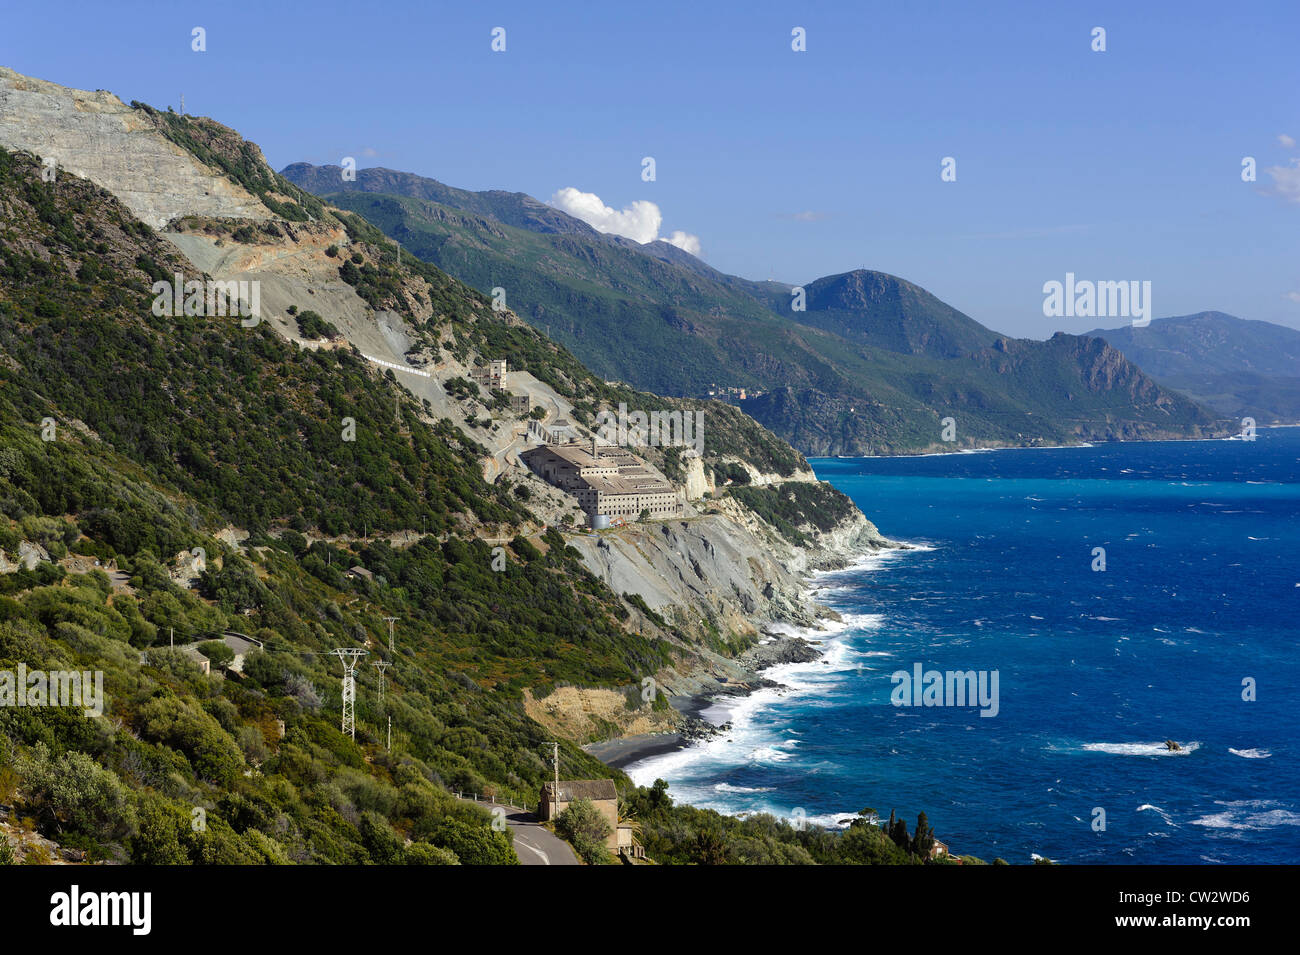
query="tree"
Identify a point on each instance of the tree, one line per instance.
(582, 825)
(421, 853)
(311, 325)
(710, 847)
(74, 793)
(383, 844)
(898, 832)
(474, 844)
(659, 798)
(923, 840)
(218, 653)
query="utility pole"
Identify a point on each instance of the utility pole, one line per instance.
(171, 640)
(381, 666)
(182, 104)
(390, 734)
(391, 621)
(349, 656)
(555, 793)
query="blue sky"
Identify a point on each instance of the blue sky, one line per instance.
(1122, 165)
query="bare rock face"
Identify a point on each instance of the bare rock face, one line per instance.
(98, 137)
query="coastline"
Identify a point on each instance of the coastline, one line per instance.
(981, 449)
(780, 647)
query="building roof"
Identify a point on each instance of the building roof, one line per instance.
(628, 484)
(580, 456)
(572, 789)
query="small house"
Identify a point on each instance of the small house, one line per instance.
(601, 794)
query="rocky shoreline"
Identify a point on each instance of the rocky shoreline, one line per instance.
(703, 687)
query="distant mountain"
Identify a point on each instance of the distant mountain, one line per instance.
(1235, 366)
(882, 311)
(512, 208)
(872, 364)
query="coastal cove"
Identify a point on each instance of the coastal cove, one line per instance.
(1097, 668)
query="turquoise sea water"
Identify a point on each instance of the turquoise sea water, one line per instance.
(1096, 668)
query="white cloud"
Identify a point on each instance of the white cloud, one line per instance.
(1286, 140)
(1286, 181)
(1293, 296)
(639, 221)
(685, 241)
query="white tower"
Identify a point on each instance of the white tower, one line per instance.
(349, 656)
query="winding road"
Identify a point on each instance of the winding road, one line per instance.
(534, 844)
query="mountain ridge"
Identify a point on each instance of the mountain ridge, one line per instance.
(854, 380)
(1239, 367)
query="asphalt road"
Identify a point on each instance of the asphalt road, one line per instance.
(534, 845)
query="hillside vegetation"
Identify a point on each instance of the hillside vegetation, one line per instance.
(128, 441)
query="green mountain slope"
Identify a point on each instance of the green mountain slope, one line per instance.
(882, 311)
(872, 365)
(1235, 366)
(129, 441)
(165, 430)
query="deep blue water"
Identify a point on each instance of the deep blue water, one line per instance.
(1096, 668)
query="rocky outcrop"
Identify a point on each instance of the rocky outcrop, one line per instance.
(727, 569)
(29, 555)
(98, 137)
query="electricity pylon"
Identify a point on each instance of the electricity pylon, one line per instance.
(391, 621)
(381, 666)
(349, 656)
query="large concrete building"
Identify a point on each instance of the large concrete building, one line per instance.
(606, 480)
(491, 376)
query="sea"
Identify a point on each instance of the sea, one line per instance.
(1122, 595)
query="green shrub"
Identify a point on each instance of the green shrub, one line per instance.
(217, 653)
(586, 829)
(311, 325)
(73, 793)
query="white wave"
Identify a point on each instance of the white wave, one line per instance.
(768, 754)
(1250, 753)
(728, 788)
(748, 739)
(831, 820)
(1141, 749)
(1147, 807)
(1248, 814)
